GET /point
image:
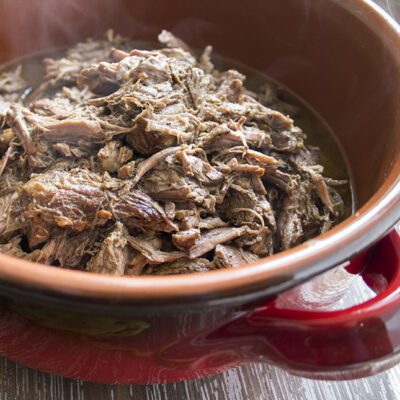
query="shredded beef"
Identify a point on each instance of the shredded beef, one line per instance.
(113, 255)
(127, 161)
(181, 266)
(229, 256)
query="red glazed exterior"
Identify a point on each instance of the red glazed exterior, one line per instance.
(150, 348)
(154, 330)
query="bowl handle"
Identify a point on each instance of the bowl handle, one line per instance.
(346, 344)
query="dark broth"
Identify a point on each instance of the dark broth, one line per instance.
(318, 132)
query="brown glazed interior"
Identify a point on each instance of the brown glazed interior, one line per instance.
(341, 56)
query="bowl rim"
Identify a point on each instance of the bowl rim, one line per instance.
(348, 238)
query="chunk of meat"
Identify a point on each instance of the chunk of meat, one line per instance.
(92, 51)
(4, 108)
(63, 149)
(243, 153)
(80, 200)
(155, 132)
(67, 251)
(214, 237)
(323, 193)
(102, 79)
(117, 55)
(185, 239)
(299, 217)
(221, 111)
(231, 86)
(8, 156)
(201, 170)
(66, 200)
(12, 179)
(246, 168)
(262, 244)
(10, 219)
(12, 248)
(132, 99)
(188, 219)
(171, 40)
(281, 180)
(290, 227)
(57, 107)
(264, 208)
(181, 266)
(271, 97)
(127, 171)
(212, 223)
(17, 122)
(321, 187)
(152, 162)
(73, 251)
(170, 209)
(44, 255)
(229, 256)
(168, 184)
(136, 264)
(239, 203)
(152, 253)
(113, 156)
(222, 137)
(59, 73)
(73, 131)
(64, 71)
(106, 78)
(113, 256)
(288, 140)
(62, 104)
(6, 138)
(205, 62)
(138, 210)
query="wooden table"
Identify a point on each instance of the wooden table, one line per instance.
(253, 382)
(249, 382)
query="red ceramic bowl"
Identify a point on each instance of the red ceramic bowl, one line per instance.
(343, 58)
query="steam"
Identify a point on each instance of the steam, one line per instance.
(40, 24)
(35, 25)
(195, 30)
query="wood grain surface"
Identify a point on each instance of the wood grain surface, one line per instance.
(249, 382)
